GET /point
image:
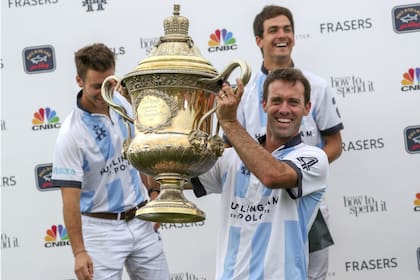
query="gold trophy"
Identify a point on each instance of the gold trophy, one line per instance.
(173, 94)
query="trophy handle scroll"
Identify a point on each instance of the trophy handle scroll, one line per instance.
(107, 90)
(223, 76)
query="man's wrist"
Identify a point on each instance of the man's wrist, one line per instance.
(78, 252)
(230, 127)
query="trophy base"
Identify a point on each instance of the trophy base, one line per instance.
(170, 212)
(170, 206)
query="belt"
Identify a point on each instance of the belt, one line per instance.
(126, 215)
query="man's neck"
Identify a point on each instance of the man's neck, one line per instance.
(272, 143)
(272, 65)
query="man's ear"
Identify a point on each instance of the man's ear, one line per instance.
(258, 41)
(263, 105)
(308, 108)
(79, 81)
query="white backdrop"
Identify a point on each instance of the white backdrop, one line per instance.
(365, 49)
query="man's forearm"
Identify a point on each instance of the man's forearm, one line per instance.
(270, 171)
(72, 220)
(333, 146)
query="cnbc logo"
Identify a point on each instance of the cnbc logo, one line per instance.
(411, 80)
(56, 237)
(417, 203)
(44, 119)
(222, 40)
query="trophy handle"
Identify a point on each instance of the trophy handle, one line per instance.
(222, 77)
(107, 91)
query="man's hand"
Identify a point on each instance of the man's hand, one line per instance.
(83, 266)
(227, 102)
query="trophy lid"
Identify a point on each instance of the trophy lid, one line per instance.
(175, 52)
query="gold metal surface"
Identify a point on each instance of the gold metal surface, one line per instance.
(173, 96)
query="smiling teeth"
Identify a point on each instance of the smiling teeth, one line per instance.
(281, 45)
(284, 120)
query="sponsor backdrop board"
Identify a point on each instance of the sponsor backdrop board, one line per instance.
(368, 51)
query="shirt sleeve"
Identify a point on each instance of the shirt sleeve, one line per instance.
(327, 115)
(311, 164)
(67, 161)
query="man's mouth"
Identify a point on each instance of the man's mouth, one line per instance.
(286, 121)
(281, 45)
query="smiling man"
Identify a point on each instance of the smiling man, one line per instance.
(274, 34)
(270, 190)
(101, 191)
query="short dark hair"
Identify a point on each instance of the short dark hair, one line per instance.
(290, 75)
(270, 12)
(97, 57)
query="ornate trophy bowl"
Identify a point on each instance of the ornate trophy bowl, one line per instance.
(172, 93)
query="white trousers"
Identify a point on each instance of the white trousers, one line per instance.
(112, 244)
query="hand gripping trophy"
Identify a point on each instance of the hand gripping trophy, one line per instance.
(173, 94)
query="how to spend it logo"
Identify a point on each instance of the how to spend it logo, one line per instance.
(222, 40)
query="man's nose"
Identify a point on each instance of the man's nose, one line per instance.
(283, 107)
(281, 33)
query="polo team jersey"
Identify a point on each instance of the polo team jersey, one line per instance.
(263, 232)
(88, 156)
(323, 119)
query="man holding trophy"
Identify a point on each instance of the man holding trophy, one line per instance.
(271, 190)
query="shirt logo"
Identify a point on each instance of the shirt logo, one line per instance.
(100, 132)
(244, 170)
(307, 162)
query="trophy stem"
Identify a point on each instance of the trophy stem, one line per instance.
(170, 206)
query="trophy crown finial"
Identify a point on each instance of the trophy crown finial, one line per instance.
(176, 24)
(177, 8)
